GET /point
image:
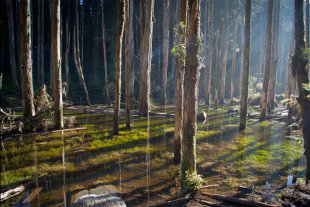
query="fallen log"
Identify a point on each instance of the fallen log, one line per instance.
(208, 203)
(11, 193)
(32, 195)
(239, 201)
(209, 186)
(172, 202)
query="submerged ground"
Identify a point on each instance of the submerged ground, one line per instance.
(139, 162)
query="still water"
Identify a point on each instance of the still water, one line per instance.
(139, 162)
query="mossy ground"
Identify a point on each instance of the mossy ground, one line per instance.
(139, 161)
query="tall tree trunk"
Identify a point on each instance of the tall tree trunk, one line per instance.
(166, 9)
(26, 58)
(179, 90)
(12, 43)
(274, 55)
(129, 67)
(307, 24)
(299, 69)
(76, 53)
(232, 83)
(188, 161)
(267, 61)
(52, 52)
(217, 68)
(39, 81)
(289, 78)
(222, 94)
(67, 58)
(105, 58)
(246, 65)
(42, 44)
(57, 86)
(210, 52)
(146, 33)
(118, 62)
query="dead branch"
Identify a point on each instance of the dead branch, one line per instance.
(172, 202)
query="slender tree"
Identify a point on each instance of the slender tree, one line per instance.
(217, 68)
(9, 7)
(146, 32)
(105, 58)
(188, 161)
(179, 90)
(224, 63)
(26, 58)
(299, 70)
(57, 86)
(233, 67)
(118, 62)
(67, 57)
(307, 24)
(166, 9)
(246, 65)
(40, 49)
(76, 53)
(267, 60)
(210, 52)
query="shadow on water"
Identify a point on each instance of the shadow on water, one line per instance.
(139, 162)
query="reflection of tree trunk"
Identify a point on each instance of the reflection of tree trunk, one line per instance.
(246, 65)
(118, 62)
(188, 161)
(222, 95)
(56, 62)
(299, 69)
(105, 58)
(179, 90)
(26, 58)
(76, 53)
(232, 85)
(217, 68)
(166, 9)
(146, 33)
(12, 43)
(274, 56)
(267, 60)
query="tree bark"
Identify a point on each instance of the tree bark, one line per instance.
(267, 61)
(246, 65)
(188, 161)
(222, 94)
(217, 68)
(210, 53)
(307, 24)
(289, 78)
(146, 33)
(232, 83)
(166, 9)
(118, 63)
(179, 90)
(39, 81)
(52, 52)
(76, 53)
(57, 86)
(299, 69)
(105, 58)
(26, 58)
(9, 7)
(274, 56)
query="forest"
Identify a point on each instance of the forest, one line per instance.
(155, 103)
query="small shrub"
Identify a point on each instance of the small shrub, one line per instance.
(190, 181)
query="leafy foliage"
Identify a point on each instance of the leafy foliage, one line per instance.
(190, 181)
(179, 48)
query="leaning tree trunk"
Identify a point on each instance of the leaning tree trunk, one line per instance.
(267, 60)
(12, 43)
(146, 33)
(232, 83)
(118, 62)
(246, 65)
(188, 161)
(210, 53)
(26, 58)
(274, 56)
(57, 86)
(105, 58)
(217, 68)
(299, 69)
(166, 9)
(222, 94)
(179, 90)
(76, 53)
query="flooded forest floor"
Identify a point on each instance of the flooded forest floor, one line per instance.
(255, 164)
